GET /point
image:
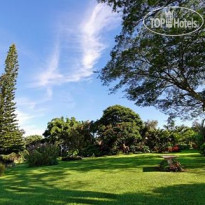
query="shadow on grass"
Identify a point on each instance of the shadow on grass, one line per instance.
(42, 194)
(109, 164)
(151, 169)
(38, 186)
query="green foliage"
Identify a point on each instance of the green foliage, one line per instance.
(202, 149)
(156, 139)
(184, 134)
(115, 180)
(139, 148)
(7, 159)
(119, 126)
(199, 139)
(184, 146)
(10, 135)
(92, 150)
(164, 166)
(175, 167)
(10, 159)
(42, 155)
(69, 134)
(32, 139)
(2, 169)
(163, 71)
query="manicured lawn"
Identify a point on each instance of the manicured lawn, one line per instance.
(124, 179)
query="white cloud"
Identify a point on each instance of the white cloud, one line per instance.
(89, 45)
(28, 114)
(100, 19)
(23, 117)
(23, 101)
(51, 75)
(24, 120)
(33, 130)
(78, 47)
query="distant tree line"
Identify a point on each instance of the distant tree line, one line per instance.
(119, 129)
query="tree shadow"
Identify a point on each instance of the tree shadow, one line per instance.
(115, 163)
(39, 186)
(151, 169)
(24, 192)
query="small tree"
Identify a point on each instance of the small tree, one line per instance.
(69, 134)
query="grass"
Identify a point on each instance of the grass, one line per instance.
(123, 180)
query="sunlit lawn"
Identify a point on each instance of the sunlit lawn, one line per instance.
(124, 179)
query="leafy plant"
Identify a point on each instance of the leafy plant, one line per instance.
(202, 149)
(174, 167)
(2, 169)
(91, 150)
(42, 155)
(184, 146)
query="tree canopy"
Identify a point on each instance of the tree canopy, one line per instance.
(119, 126)
(69, 133)
(155, 70)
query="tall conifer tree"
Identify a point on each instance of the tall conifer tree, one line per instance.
(10, 135)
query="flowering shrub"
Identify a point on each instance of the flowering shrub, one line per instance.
(175, 148)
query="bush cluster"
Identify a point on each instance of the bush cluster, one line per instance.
(42, 155)
(202, 149)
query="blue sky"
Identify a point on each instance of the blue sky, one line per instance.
(60, 43)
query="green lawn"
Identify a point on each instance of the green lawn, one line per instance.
(124, 179)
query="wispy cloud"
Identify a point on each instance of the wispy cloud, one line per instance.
(77, 49)
(89, 44)
(28, 113)
(51, 75)
(24, 120)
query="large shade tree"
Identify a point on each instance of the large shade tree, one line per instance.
(119, 127)
(155, 70)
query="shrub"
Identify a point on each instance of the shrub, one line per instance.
(6, 159)
(9, 160)
(91, 150)
(202, 149)
(175, 148)
(139, 149)
(2, 169)
(199, 140)
(71, 158)
(184, 146)
(174, 167)
(42, 155)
